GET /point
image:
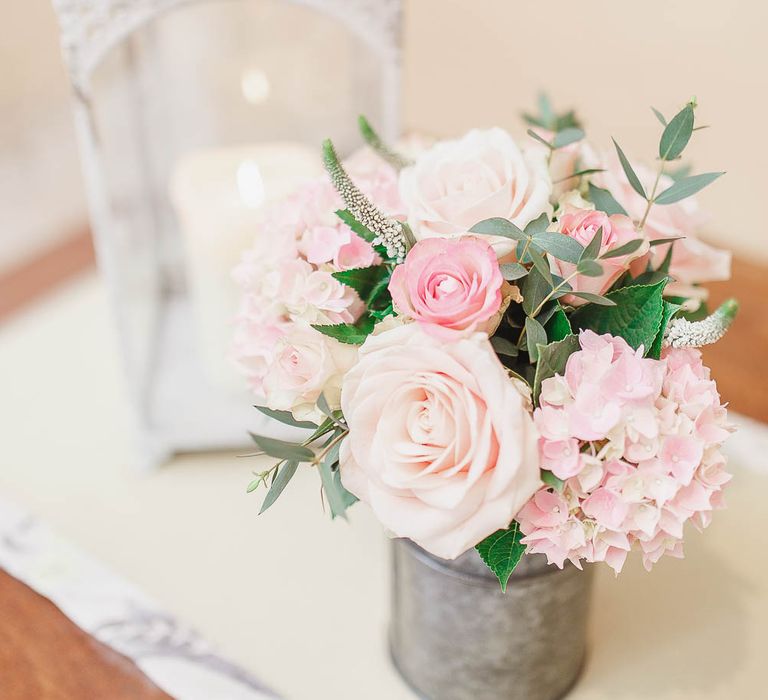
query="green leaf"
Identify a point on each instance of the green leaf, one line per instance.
(558, 326)
(281, 481)
(593, 247)
(280, 449)
(659, 116)
(534, 135)
(535, 336)
(346, 216)
(286, 417)
(604, 201)
(538, 225)
(663, 241)
(535, 288)
(626, 249)
(339, 499)
(629, 172)
(325, 409)
(685, 187)
(669, 311)
(636, 316)
(364, 280)
(580, 173)
(676, 134)
(594, 298)
(552, 359)
(502, 552)
(541, 265)
(513, 271)
(350, 333)
(567, 136)
(551, 480)
(590, 268)
(559, 245)
(502, 346)
(496, 226)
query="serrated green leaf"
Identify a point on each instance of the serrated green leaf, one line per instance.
(362, 279)
(502, 552)
(284, 475)
(280, 449)
(669, 311)
(350, 333)
(558, 326)
(590, 268)
(685, 187)
(636, 316)
(659, 116)
(604, 201)
(513, 271)
(559, 245)
(567, 136)
(676, 134)
(551, 480)
(634, 181)
(535, 288)
(365, 233)
(552, 360)
(285, 417)
(502, 346)
(535, 336)
(496, 226)
(593, 247)
(626, 249)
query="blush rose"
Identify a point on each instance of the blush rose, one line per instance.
(442, 445)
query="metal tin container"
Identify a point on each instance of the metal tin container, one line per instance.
(455, 636)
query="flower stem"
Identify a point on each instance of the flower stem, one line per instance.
(652, 198)
(338, 438)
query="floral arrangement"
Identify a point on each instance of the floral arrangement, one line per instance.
(494, 345)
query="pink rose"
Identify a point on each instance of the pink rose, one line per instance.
(441, 444)
(582, 225)
(449, 284)
(455, 184)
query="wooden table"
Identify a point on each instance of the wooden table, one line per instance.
(45, 656)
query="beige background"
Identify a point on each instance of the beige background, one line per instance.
(467, 62)
(481, 62)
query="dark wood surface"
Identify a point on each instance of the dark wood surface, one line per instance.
(45, 656)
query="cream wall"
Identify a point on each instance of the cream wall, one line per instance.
(480, 62)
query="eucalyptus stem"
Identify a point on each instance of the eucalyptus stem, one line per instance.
(538, 309)
(338, 438)
(652, 198)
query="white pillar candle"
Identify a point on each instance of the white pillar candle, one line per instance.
(220, 196)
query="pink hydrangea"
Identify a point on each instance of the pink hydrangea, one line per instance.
(286, 281)
(637, 444)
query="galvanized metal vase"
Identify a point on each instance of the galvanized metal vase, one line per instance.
(455, 636)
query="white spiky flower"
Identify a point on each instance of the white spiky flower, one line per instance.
(682, 333)
(390, 233)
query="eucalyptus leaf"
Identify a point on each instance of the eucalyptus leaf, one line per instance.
(559, 245)
(663, 241)
(659, 116)
(677, 134)
(513, 271)
(535, 288)
(535, 336)
(567, 136)
(626, 249)
(604, 201)
(502, 346)
(278, 485)
(339, 499)
(325, 409)
(592, 249)
(280, 449)
(286, 417)
(502, 552)
(552, 360)
(590, 268)
(538, 138)
(496, 226)
(541, 265)
(580, 173)
(685, 187)
(634, 181)
(538, 225)
(594, 298)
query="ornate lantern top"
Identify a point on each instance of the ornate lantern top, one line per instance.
(89, 28)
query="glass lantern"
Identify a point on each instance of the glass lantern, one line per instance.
(192, 116)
